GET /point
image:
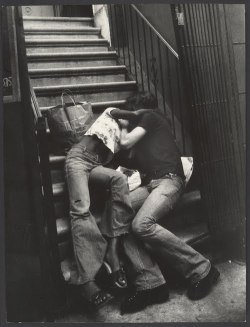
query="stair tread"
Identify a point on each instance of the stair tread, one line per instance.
(192, 233)
(80, 86)
(72, 54)
(63, 226)
(75, 69)
(77, 19)
(66, 40)
(96, 104)
(62, 29)
(59, 188)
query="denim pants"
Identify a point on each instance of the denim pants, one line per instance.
(155, 201)
(88, 242)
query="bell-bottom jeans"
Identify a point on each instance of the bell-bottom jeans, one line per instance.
(155, 201)
(88, 242)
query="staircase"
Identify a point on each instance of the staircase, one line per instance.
(70, 53)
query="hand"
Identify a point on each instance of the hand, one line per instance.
(124, 123)
(140, 112)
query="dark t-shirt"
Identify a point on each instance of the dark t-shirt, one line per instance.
(157, 150)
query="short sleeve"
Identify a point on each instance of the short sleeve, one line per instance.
(148, 122)
(109, 110)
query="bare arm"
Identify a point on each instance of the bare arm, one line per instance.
(124, 114)
(128, 115)
(130, 139)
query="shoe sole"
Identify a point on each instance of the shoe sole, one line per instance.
(213, 282)
(94, 308)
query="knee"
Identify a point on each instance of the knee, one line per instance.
(143, 228)
(119, 179)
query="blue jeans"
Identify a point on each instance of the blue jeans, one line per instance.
(155, 201)
(88, 242)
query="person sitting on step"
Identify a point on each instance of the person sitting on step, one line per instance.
(91, 245)
(157, 156)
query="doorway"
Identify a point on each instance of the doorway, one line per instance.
(77, 11)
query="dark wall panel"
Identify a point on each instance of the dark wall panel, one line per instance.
(17, 199)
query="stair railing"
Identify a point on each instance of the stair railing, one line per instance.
(50, 228)
(31, 121)
(153, 63)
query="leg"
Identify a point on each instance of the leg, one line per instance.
(165, 193)
(145, 272)
(150, 286)
(118, 212)
(89, 245)
(117, 216)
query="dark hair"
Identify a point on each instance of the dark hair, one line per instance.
(141, 100)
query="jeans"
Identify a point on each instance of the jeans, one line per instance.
(88, 242)
(156, 200)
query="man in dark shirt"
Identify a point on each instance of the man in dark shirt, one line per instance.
(156, 155)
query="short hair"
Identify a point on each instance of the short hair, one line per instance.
(141, 100)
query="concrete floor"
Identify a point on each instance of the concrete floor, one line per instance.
(225, 303)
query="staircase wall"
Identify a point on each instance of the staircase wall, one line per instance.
(101, 20)
(46, 11)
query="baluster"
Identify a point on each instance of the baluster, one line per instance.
(153, 60)
(146, 54)
(126, 27)
(133, 41)
(117, 32)
(161, 73)
(180, 107)
(139, 45)
(170, 91)
(112, 27)
(122, 32)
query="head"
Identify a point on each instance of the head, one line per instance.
(141, 100)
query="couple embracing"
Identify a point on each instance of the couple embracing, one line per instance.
(143, 130)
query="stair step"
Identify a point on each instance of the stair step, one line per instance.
(93, 87)
(62, 30)
(79, 75)
(51, 95)
(76, 48)
(56, 21)
(97, 107)
(67, 45)
(73, 55)
(72, 59)
(59, 189)
(185, 200)
(193, 234)
(63, 226)
(34, 36)
(190, 235)
(62, 33)
(66, 41)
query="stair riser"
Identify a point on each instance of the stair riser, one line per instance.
(98, 109)
(57, 24)
(77, 80)
(53, 49)
(61, 209)
(72, 63)
(51, 100)
(35, 36)
(57, 176)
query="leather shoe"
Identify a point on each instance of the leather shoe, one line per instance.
(98, 300)
(197, 291)
(140, 299)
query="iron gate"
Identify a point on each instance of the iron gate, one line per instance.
(206, 54)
